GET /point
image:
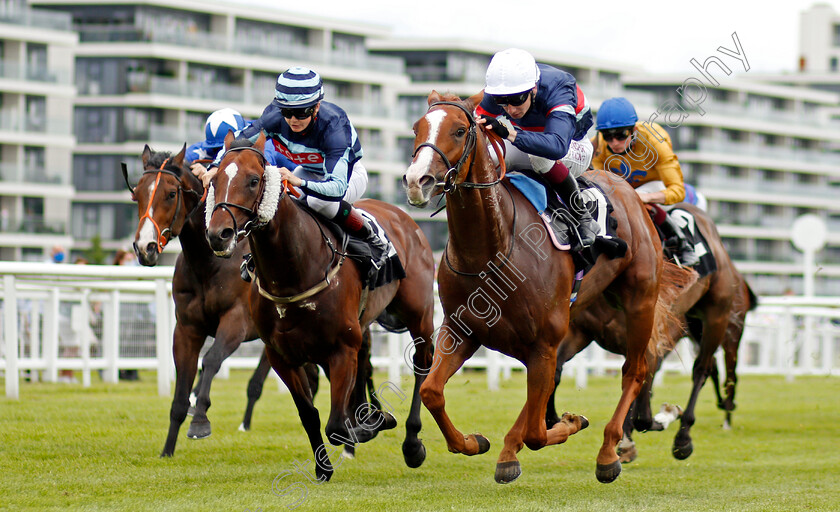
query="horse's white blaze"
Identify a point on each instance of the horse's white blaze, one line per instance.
(231, 171)
(147, 232)
(420, 166)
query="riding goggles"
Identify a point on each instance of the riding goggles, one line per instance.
(298, 113)
(514, 100)
(616, 134)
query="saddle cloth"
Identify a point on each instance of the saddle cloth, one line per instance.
(685, 220)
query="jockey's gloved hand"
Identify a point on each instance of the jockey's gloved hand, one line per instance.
(501, 126)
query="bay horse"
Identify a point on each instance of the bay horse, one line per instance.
(307, 304)
(486, 218)
(210, 297)
(604, 324)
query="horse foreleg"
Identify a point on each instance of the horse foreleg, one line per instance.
(296, 380)
(447, 360)
(575, 341)
(730, 352)
(227, 341)
(255, 389)
(642, 415)
(186, 345)
(626, 449)
(530, 427)
(343, 364)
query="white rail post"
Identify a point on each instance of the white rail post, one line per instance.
(162, 337)
(395, 357)
(111, 338)
(10, 332)
(51, 335)
(84, 336)
(492, 357)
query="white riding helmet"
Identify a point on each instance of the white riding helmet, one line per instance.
(511, 71)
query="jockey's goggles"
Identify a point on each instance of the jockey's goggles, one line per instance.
(514, 100)
(298, 113)
(616, 134)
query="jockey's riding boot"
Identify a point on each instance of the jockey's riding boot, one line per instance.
(355, 224)
(684, 251)
(569, 192)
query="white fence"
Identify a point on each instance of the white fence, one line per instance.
(91, 309)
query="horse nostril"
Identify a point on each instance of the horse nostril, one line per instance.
(226, 234)
(427, 181)
(405, 181)
(151, 248)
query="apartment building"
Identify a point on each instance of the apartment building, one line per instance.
(37, 51)
(151, 72)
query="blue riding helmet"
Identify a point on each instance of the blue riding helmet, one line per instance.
(298, 88)
(616, 113)
(219, 123)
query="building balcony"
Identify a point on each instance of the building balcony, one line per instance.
(37, 18)
(15, 71)
(13, 122)
(32, 225)
(770, 152)
(14, 173)
(768, 187)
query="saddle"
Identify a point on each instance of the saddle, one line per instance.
(561, 223)
(356, 249)
(685, 220)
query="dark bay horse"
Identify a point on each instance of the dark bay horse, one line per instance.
(499, 291)
(308, 303)
(605, 325)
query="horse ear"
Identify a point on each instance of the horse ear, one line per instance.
(434, 97)
(178, 159)
(476, 99)
(147, 154)
(228, 139)
(260, 142)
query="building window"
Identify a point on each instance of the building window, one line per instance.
(833, 64)
(836, 33)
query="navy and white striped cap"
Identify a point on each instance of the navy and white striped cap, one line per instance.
(298, 87)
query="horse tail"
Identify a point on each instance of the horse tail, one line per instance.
(752, 297)
(668, 326)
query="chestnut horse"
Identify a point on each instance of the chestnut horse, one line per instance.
(308, 304)
(210, 297)
(486, 218)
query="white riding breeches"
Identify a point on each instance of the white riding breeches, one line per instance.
(658, 186)
(355, 188)
(577, 158)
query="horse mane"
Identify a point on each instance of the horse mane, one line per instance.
(158, 158)
(241, 142)
(673, 282)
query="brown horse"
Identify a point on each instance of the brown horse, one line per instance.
(210, 297)
(307, 304)
(527, 313)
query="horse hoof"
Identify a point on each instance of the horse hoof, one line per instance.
(606, 473)
(389, 423)
(627, 454)
(322, 474)
(568, 418)
(199, 430)
(363, 435)
(682, 452)
(349, 452)
(483, 444)
(244, 428)
(507, 472)
(414, 454)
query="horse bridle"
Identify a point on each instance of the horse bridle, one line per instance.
(163, 235)
(253, 222)
(253, 218)
(453, 171)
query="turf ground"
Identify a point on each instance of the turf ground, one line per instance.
(63, 447)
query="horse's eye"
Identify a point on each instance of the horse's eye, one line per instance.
(172, 194)
(254, 181)
(461, 132)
